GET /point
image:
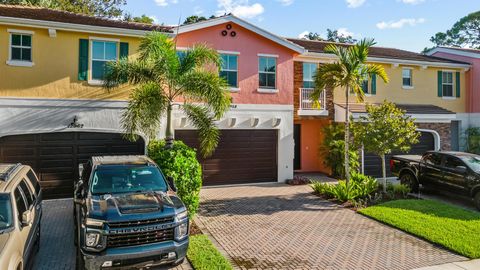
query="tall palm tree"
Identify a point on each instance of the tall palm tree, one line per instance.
(349, 71)
(161, 77)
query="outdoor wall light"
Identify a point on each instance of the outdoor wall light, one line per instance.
(232, 122)
(276, 122)
(254, 121)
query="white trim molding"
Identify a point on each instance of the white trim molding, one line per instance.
(228, 52)
(234, 89)
(16, 63)
(17, 31)
(104, 39)
(436, 137)
(231, 18)
(267, 91)
(267, 55)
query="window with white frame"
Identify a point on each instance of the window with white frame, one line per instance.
(309, 70)
(229, 69)
(267, 72)
(407, 77)
(447, 84)
(21, 47)
(102, 53)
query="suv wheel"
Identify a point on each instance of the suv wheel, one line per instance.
(476, 199)
(409, 180)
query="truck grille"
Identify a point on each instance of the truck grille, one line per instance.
(141, 238)
(134, 223)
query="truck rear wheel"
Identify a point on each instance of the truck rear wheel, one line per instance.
(409, 180)
(476, 199)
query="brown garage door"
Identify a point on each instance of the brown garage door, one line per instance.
(242, 156)
(373, 163)
(55, 156)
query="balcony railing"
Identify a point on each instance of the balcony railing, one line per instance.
(308, 107)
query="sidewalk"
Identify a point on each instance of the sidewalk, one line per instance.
(466, 265)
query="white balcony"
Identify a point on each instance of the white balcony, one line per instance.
(308, 108)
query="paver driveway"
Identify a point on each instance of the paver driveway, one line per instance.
(276, 226)
(57, 251)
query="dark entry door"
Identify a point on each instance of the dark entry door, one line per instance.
(242, 156)
(55, 156)
(298, 147)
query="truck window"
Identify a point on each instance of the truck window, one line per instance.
(6, 217)
(20, 202)
(28, 194)
(453, 162)
(34, 181)
(433, 159)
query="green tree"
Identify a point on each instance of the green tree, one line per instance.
(464, 33)
(349, 71)
(194, 19)
(333, 148)
(332, 36)
(103, 8)
(385, 129)
(161, 76)
(140, 19)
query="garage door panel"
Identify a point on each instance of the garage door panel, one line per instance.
(373, 163)
(242, 156)
(55, 156)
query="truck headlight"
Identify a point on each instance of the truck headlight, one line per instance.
(181, 231)
(91, 239)
(183, 215)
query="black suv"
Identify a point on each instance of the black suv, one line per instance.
(127, 215)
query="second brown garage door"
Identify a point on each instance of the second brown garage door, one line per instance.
(242, 156)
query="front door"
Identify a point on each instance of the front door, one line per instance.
(296, 138)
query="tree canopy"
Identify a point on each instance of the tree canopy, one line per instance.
(140, 19)
(464, 33)
(194, 19)
(104, 8)
(332, 36)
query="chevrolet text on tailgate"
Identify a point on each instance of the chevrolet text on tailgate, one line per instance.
(127, 215)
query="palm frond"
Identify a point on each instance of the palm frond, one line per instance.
(199, 56)
(360, 50)
(204, 121)
(146, 105)
(373, 69)
(208, 88)
(133, 72)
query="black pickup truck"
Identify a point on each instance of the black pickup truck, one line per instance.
(127, 215)
(455, 172)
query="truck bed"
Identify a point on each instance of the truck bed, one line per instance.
(415, 158)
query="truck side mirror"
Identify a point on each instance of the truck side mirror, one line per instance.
(171, 183)
(461, 169)
(80, 170)
(27, 218)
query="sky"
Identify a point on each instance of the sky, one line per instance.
(402, 24)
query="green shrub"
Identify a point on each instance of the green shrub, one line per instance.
(333, 150)
(397, 191)
(203, 255)
(360, 188)
(181, 163)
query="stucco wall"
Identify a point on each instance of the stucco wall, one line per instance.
(472, 78)
(424, 89)
(249, 45)
(55, 73)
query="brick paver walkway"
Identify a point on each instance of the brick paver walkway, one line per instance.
(57, 251)
(277, 226)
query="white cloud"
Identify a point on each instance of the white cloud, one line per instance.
(355, 3)
(155, 19)
(344, 32)
(303, 34)
(286, 2)
(411, 2)
(400, 23)
(240, 8)
(164, 3)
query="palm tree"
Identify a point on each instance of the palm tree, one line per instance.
(161, 77)
(349, 71)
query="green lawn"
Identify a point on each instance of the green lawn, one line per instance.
(203, 255)
(452, 227)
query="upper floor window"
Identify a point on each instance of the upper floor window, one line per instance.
(407, 78)
(447, 84)
(267, 72)
(229, 69)
(20, 51)
(365, 87)
(309, 70)
(102, 53)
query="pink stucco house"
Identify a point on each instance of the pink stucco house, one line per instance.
(257, 133)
